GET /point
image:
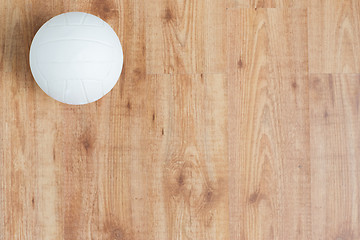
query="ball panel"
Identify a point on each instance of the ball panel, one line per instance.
(93, 90)
(56, 21)
(56, 90)
(118, 57)
(112, 77)
(113, 35)
(74, 93)
(75, 18)
(74, 51)
(92, 20)
(68, 33)
(66, 71)
(38, 76)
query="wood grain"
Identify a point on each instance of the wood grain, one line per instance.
(268, 125)
(196, 175)
(267, 3)
(125, 167)
(233, 119)
(334, 36)
(17, 172)
(334, 153)
(186, 36)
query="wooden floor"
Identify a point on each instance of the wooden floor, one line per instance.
(232, 119)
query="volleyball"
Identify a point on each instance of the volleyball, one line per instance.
(76, 58)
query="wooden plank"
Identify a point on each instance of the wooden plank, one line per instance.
(97, 148)
(268, 124)
(19, 196)
(49, 187)
(334, 151)
(195, 173)
(267, 3)
(334, 36)
(48, 176)
(238, 3)
(186, 36)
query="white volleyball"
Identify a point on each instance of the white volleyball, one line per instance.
(76, 58)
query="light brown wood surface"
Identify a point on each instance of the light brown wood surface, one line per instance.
(269, 124)
(234, 119)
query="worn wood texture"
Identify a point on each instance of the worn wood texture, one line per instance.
(334, 154)
(233, 119)
(269, 124)
(334, 36)
(186, 36)
(267, 3)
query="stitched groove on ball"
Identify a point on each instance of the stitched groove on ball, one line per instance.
(42, 76)
(83, 20)
(74, 71)
(75, 18)
(78, 79)
(66, 83)
(77, 25)
(102, 88)
(90, 20)
(79, 31)
(63, 52)
(83, 87)
(76, 39)
(53, 90)
(105, 77)
(66, 19)
(60, 62)
(93, 90)
(74, 93)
